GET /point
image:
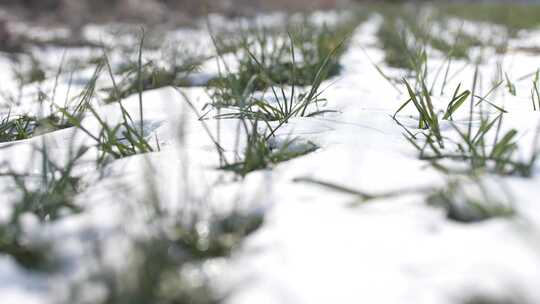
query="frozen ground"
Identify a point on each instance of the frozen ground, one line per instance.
(317, 245)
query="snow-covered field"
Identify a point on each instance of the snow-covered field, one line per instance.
(318, 243)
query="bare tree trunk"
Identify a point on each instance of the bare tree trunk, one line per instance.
(75, 14)
(141, 10)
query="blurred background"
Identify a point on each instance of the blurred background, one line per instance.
(76, 12)
(73, 15)
(152, 11)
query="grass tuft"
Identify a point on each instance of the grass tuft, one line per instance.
(260, 153)
(466, 206)
(47, 196)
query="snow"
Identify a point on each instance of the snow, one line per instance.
(317, 245)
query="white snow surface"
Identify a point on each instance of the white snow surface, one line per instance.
(317, 245)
